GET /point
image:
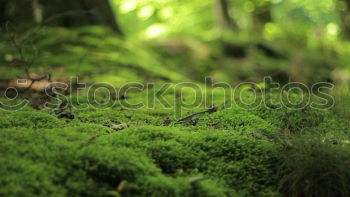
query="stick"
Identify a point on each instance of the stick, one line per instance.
(210, 110)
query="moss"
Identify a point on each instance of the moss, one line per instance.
(240, 162)
(5, 122)
(117, 116)
(231, 152)
(23, 177)
(242, 120)
(108, 166)
(30, 119)
(331, 125)
(301, 120)
(36, 163)
(164, 186)
(293, 118)
(89, 128)
(53, 162)
(10, 105)
(165, 146)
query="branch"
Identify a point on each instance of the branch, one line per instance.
(210, 110)
(27, 65)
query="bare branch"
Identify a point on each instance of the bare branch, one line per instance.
(19, 46)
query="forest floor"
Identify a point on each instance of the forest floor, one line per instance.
(152, 142)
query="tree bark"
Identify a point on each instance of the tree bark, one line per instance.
(15, 11)
(222, 16)
(81, 12)
(111, 20)
(37, 11)
(345, 19)
(71, 13)
(261, 17)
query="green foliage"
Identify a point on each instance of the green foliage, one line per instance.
(315, 165)
(342, 105)
(331, 125)
(79, 51)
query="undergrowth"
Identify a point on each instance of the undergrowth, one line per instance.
(201, 149)
(228, 152)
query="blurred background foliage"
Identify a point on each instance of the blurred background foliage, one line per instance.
(119, 41)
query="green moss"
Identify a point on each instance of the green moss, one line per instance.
(240, 162)
(58, 162)
(230, 152)
(23, 177)
(242, 120)
(86, 160)
(117, 116)
(30, 119)
(89, 128)
(36, 163)
(331, 125)
(294, 118)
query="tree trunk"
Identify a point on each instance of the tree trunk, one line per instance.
(222, 16)
(71, 13)
(110, 17)
(80, 12)
(345, 20)
(37, 11)
(15, 11)
(261, 17)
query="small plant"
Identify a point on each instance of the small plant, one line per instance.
(342, 104)
(315, 165)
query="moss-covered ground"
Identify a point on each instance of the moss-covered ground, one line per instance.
(230, 152)
(202, 149)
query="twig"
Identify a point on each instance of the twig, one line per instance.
(210, 110)
(27, 65)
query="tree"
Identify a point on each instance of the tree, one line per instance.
(222, 16)
(345, 18)
(62, 13)
(261, 16)
(80, 12)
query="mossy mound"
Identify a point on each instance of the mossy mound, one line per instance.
(30, 119)
(241, 120)
(228, 151)
(117, 116)
(151, 161)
